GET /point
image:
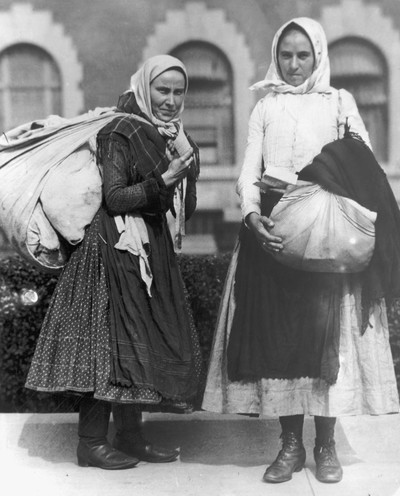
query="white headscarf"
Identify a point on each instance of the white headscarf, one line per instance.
(319, 81)
(140, 86)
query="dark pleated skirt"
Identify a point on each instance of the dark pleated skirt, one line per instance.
(287, 322)
(102, 333)
(151, 339)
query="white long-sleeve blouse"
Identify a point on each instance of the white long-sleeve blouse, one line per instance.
(286, 131)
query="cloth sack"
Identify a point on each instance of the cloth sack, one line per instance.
(78, 183)
(323, 232)
(50, 186)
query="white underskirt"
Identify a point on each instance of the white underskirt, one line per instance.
(366, 382)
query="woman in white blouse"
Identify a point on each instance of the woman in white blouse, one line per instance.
(289, 343)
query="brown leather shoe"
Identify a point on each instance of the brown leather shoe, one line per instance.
(104, 456)
(328, 468)
(291, 458)
(146, 451)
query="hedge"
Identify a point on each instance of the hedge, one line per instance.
(20, 323)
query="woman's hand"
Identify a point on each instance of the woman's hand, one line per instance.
(260, 225)
(178, 168)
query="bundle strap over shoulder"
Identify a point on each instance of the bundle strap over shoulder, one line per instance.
(29, 154)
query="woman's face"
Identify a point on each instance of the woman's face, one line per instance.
(167, 92)
(295, 58)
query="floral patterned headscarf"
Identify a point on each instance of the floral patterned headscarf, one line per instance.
(140, 86)
(319, 81)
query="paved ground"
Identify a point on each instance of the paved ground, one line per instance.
(220, 456)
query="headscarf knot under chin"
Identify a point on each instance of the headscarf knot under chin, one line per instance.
(319, 81)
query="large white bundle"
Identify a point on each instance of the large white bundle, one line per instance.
(50, 187)
(78, 185)
(323, 232)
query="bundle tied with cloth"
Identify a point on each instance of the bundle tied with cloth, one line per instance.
(342, 217)
(50, 185)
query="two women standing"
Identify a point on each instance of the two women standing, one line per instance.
(288, 343)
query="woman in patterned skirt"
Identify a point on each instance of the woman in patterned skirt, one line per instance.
(118, 329)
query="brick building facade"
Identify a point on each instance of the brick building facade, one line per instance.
(68, 56)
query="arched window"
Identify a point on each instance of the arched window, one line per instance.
(359, 67)
(208, 115)
(30, 85)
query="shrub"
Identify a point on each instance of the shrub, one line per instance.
(204, 277)
(20, 325)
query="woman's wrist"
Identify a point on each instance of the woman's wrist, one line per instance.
(167, 178)
(251, 220)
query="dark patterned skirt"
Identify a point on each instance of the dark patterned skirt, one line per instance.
(76, 348)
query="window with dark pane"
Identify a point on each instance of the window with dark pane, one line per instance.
(30, 85)
(208, 115)
(359, 67)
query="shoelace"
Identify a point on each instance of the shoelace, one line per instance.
(289, 443)
(327, 455)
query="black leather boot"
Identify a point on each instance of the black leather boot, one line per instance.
(328, 468)
(129, 436)
(93, 449)
(292, 456)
